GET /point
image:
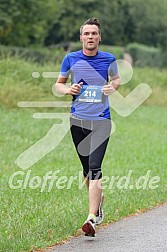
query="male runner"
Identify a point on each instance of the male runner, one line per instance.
(94, 77)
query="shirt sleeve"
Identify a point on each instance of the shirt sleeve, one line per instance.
(65, 67)
(113, 68)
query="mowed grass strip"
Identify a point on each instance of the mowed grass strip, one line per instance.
(32, 219)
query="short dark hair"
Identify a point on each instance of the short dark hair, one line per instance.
(91, 21)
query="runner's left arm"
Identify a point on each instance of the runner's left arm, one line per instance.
(114, 84)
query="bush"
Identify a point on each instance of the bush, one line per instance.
(40, 55)
(116, 50)
(75, 46)
(53, 53)
(144, 56)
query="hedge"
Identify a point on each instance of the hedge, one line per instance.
(40, 55)
(144, 56)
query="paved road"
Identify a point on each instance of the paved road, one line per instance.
(146, 232)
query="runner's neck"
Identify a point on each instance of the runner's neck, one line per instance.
(89, 52)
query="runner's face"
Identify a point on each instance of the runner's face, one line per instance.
(90, 37)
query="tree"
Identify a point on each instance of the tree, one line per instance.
(69, 17)
(23, 22)
(150, 21)
(41, 22)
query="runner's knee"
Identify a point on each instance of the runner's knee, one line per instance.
(94, 170)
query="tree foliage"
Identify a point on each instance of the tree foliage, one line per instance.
(24, 23)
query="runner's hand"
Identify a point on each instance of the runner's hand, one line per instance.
(75, 88)
(108, 89)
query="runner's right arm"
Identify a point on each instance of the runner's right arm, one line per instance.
(61, 87)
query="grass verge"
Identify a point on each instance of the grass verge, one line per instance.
(32, 219)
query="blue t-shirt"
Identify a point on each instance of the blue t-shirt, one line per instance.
(93, 71)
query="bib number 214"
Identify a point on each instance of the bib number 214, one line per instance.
(90, 93)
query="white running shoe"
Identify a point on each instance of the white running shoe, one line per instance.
(89, 228)
(100, 213)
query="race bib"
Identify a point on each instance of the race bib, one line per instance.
(90, 93)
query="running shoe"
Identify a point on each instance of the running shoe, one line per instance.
(100, 213)
(89, 228)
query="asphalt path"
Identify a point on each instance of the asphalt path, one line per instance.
(145, 232)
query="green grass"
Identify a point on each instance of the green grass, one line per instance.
(31, 219)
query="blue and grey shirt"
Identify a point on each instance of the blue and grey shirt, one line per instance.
(93, 71)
